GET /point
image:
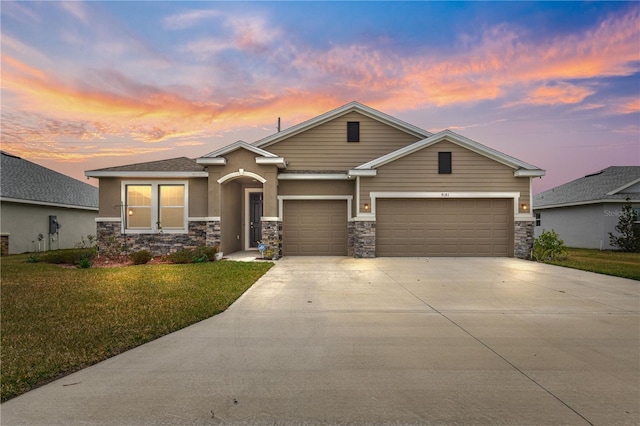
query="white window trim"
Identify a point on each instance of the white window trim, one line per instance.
(155, 206)
(283, 198)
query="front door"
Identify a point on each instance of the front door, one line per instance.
(255, 216)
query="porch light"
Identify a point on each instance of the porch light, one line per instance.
(524, 207)
(130, 212)
(366, 206)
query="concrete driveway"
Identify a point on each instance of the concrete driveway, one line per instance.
(378, 341)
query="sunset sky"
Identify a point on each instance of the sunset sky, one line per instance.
(87, 85)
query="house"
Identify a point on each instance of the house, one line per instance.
(350, 182)
(584, 211)
(41, 209)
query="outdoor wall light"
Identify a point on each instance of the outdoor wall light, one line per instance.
(366, 206)
(130, 212)
(524, 207)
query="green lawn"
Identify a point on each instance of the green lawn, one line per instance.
(626, 265)
(58, 320)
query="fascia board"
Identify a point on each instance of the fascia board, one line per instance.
(363, 172)
(584, 203)
(217, 161)
(239, 145)
(615, 191)
(313, 176)
(529, 173)
(277, 161)
(125, 174)
(46, 203)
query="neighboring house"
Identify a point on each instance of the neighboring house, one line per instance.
(41, 209)
(584, 211)
(350, 182)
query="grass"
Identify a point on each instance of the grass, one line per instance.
(58, 320)
(625, 265)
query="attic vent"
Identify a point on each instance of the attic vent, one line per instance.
(353, 131)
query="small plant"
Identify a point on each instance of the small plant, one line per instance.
(70, 256)
(141, 257)
(181, 256)
(548, 247)
(208, 252)
(110, 245)
(200, 259)
(629, 230)
(89, 242)
(33, 258)
(84, 263)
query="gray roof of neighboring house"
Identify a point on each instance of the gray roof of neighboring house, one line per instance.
(29, 182)
(614, 183)
(181, 164)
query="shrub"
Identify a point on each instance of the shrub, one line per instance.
(33, 258)
(208, 252)
(200, 254)
(84, 262)
(72, 256)
(181, 256)
(548, 247)
(629, 238)
(141, 257)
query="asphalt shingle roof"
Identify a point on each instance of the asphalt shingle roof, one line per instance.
(593, 187)
(180, 164)
(23, 180)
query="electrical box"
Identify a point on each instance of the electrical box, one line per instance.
(53, 224)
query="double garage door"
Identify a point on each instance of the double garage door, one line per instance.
(444, 227)
(314, 228)
(404, 227)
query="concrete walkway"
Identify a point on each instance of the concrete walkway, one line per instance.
(378, 341)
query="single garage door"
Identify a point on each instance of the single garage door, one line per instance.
(314, 228)
(444, 227)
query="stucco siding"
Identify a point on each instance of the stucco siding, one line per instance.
(325, 147)
(23, 223)
(418, 172)
(198, 197)
(231, 223)
(578, 226)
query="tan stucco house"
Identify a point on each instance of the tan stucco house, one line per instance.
(350, 182)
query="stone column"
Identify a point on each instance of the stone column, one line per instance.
(523, 238)
(212, 233)
(364, 237)
(272, 236)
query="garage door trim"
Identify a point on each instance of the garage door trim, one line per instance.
(445, 194)
(283, 198)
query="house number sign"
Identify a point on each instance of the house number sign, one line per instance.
(444, 194)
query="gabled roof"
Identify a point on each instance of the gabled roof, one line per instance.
(614, 183)
(22, 181)
(174, 167)
(521, 168)
(338, 112)
(264, 157)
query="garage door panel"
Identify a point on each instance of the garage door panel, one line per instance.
(314, 228)
(447, 227)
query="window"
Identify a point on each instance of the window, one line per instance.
(353, 131)
(139, 206)
(538, 219)
(151, 207)
(444, 162)
(171, 206)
